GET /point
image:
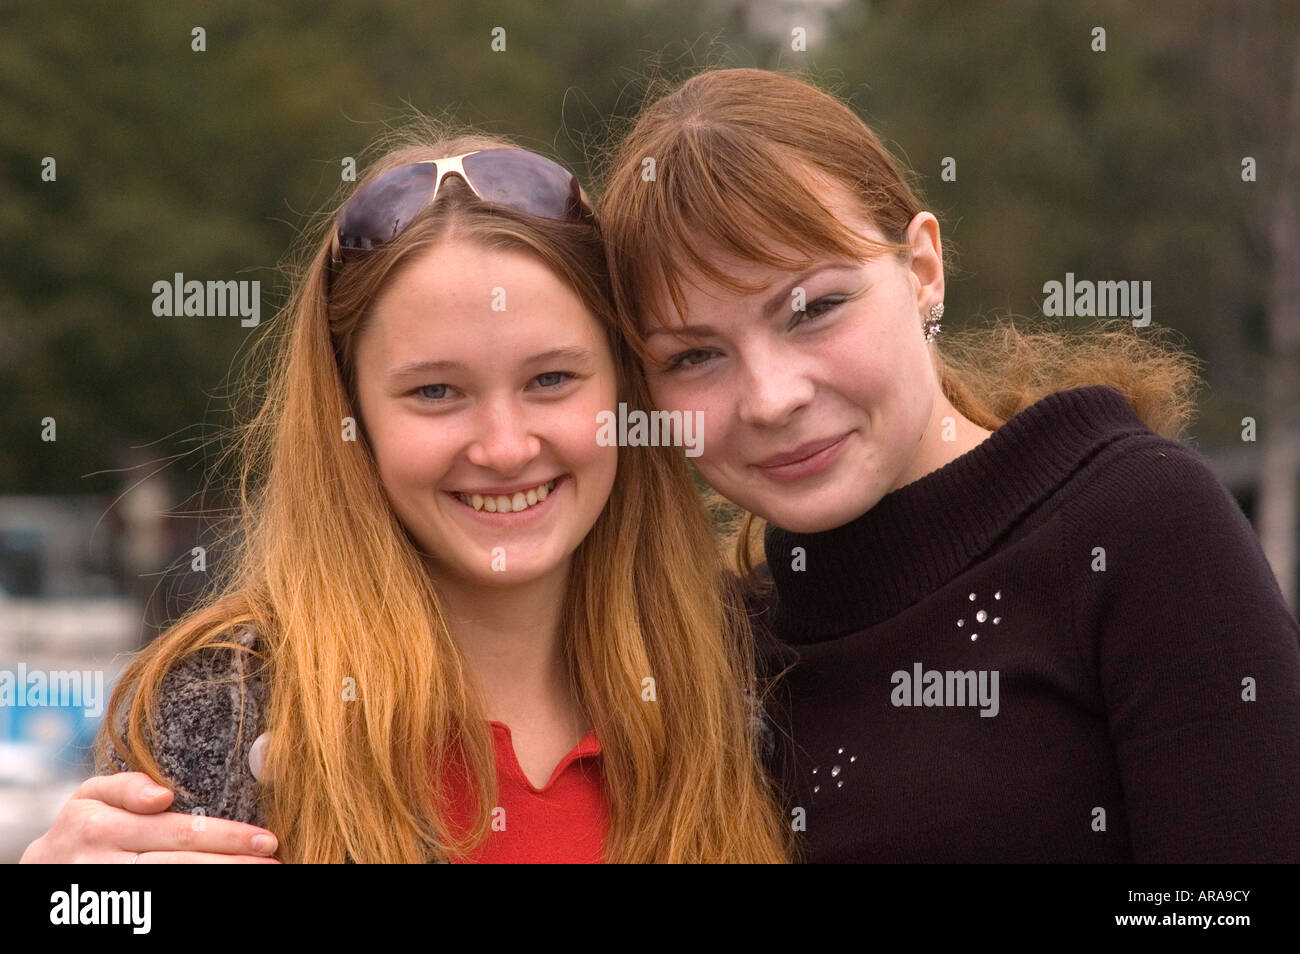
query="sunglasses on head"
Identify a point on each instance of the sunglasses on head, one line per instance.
(382, 208)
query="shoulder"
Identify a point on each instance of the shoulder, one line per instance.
(211, 709)
(225, 670)
(206, 696)
(1153, 492)
(1158, 549)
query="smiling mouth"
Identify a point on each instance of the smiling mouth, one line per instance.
(799, 456)
(508, 503)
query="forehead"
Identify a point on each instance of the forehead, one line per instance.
(458, 272)
(463, 290)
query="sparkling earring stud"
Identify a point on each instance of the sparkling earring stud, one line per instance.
(932, 323)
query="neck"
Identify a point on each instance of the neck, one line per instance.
(510, 638)
(943, 442)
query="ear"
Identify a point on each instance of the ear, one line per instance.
(926, 260)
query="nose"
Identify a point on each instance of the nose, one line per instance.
(504, 442)
(772, 387)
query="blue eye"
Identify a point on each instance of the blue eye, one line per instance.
(439, 393)
(557, 378)
(420, 391)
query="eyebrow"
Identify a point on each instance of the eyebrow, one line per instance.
(774, 305)
(577, 355)
(769, 310)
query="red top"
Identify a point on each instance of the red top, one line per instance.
(563, 822)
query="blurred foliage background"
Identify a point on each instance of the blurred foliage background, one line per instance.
(1123, 164)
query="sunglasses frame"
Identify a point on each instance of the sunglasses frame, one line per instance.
(444, 167)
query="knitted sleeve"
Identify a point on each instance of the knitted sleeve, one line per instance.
(211, 710)
(1196, 658)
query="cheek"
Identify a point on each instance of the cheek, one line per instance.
(886, 396)
(863, 380)
(713, 405)
(873, 366)
(662, 393)
(411, 459)
(380, 433)
(378, 425)
(710, 395)
(577, 424)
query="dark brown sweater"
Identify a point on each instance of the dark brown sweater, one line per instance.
(970, 684)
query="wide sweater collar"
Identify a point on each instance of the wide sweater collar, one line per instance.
(924, 534)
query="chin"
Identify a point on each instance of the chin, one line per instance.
(518, 571)
(802, 517)
(473, 566)
(806, 523)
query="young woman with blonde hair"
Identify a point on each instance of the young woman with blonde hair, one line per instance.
(455, 624)
(1015, 618)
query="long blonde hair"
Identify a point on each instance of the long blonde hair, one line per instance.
(724, 143)
(322, 567)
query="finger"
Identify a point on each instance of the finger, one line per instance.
(181, 832)
(132, 791)
(200, 858)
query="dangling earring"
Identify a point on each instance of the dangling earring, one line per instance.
(932, 323)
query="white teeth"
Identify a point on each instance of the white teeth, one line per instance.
(500, 503)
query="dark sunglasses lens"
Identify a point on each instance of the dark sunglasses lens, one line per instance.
(524, 181)
(385, 206)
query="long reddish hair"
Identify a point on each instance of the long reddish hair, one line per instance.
(325, 571)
